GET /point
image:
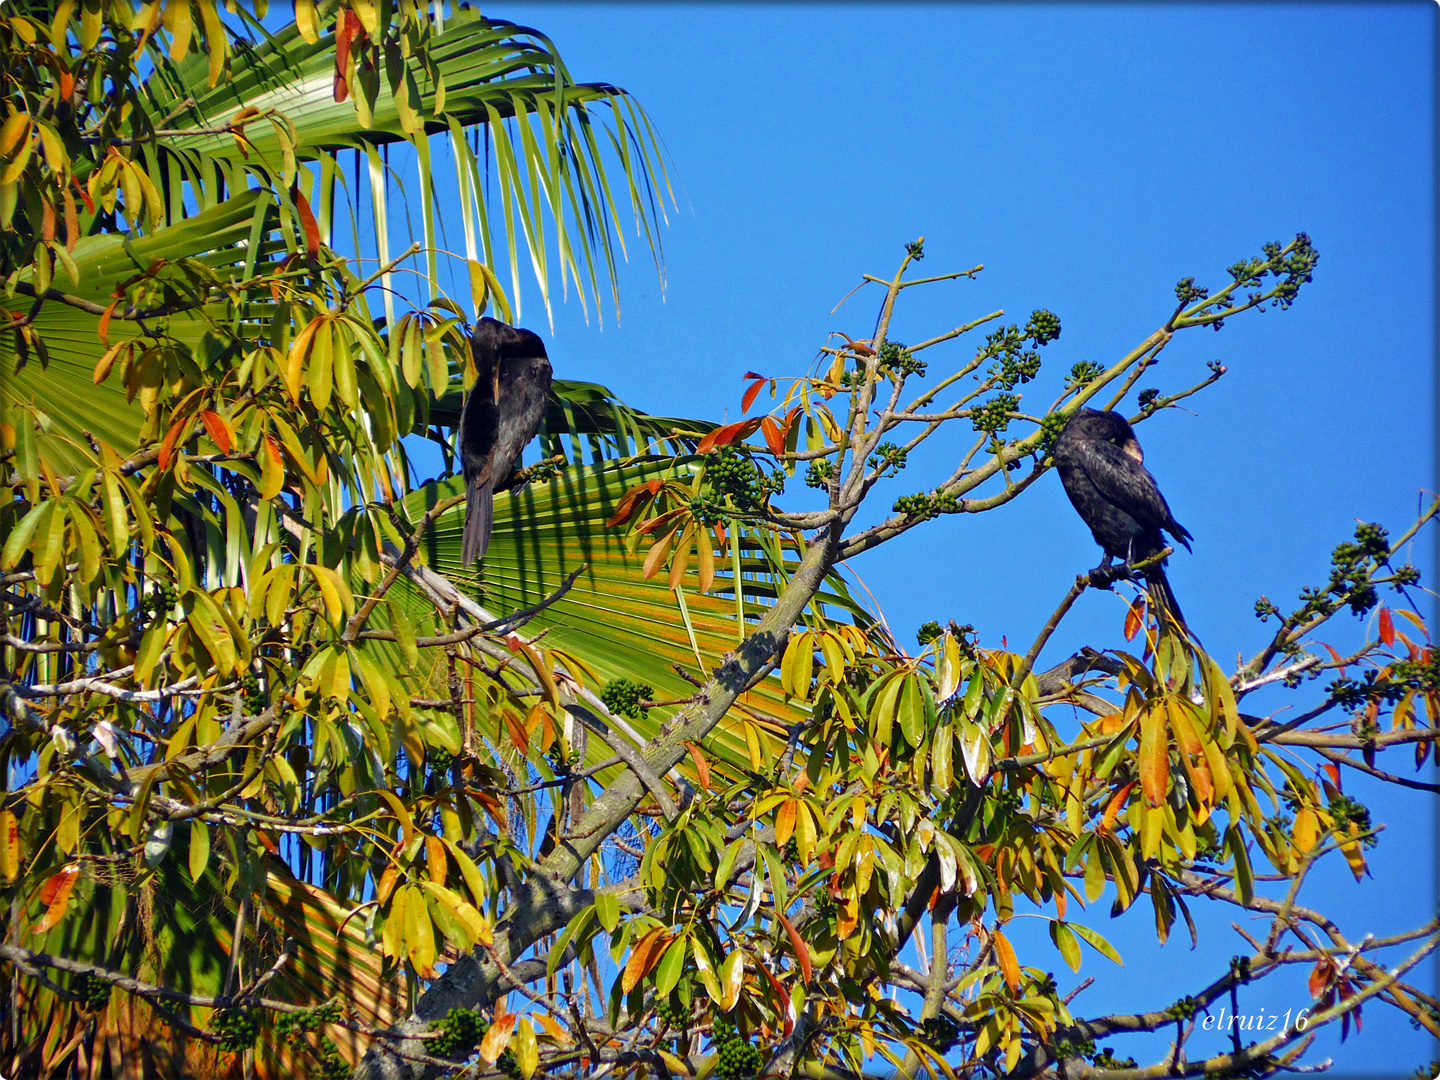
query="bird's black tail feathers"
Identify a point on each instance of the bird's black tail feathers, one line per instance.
(479, 512)
(1162, 598)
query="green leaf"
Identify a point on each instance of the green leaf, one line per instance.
(1064, 939)
(1098, 943)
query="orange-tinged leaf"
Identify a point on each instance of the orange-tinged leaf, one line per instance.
(629, 504)
(644, 955)
(497, 1038)
(657, 554)
(219, 430)
(104, 328)
(1009, 966)
(785, 821)
(172, 437)
(308, 223)
(732, 976)
(751, 394)
(1116, 804)
(1153, 760)
(1134, 619)
(1387, 627)
(774, 437)
(802, 951)
(55, 895)
(702, 767)
(272, 468)
(518, 735)
(1321, 977)
(724, 436)
(1416, 619)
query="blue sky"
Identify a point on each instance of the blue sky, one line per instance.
(1089, 156)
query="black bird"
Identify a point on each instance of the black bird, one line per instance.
(502, 413)
(1102, 467)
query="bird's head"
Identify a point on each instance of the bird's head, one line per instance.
(1108, 426)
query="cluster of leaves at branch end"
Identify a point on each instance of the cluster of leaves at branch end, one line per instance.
(925, 506)
(739, 1058)
(623, 697)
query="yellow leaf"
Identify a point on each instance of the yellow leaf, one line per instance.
(307, 22)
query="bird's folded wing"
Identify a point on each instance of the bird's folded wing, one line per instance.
(1126, 483)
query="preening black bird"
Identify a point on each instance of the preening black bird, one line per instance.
(502, 413)
(1103, 470)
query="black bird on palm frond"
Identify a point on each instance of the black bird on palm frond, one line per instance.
(1103, 470)
(502, 413)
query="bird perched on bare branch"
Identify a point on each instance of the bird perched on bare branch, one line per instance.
(1103, 470)
(502, 413)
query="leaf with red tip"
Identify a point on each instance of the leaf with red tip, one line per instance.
(774, 437)
(55, 895)
(644, 955)
(751, 394)
(702, 767)
(1387, 627)
(1333, 771)
(1009, 965)
(172, 437)
(1134, 619)
(218, 429)
(802, 951)
(308, 223)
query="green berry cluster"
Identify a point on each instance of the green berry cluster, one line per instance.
(1187, 292)
(1182, 1009)
(293, 1027)
(928, 632)
(1107, 1060)
(916, 249)
(1240, 968)
(159, 601)
(1050, 429)
(731, 474)
(927, 506)
(739, 1060)
(1148, 397)
(460, 1032)
(819, 474)
(895, 357)
(706, 512)
(1064, 1047)
(238, 1028)
(623, 697)
(508, 1064)
(1347, 811)
(940, 1033)
(93, 991)
(1083, 373)
(439, 758)
(255, 698)
(672, 1013)
(1043, 327)
(887, 458)
(332, 1065)
(994, 415)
